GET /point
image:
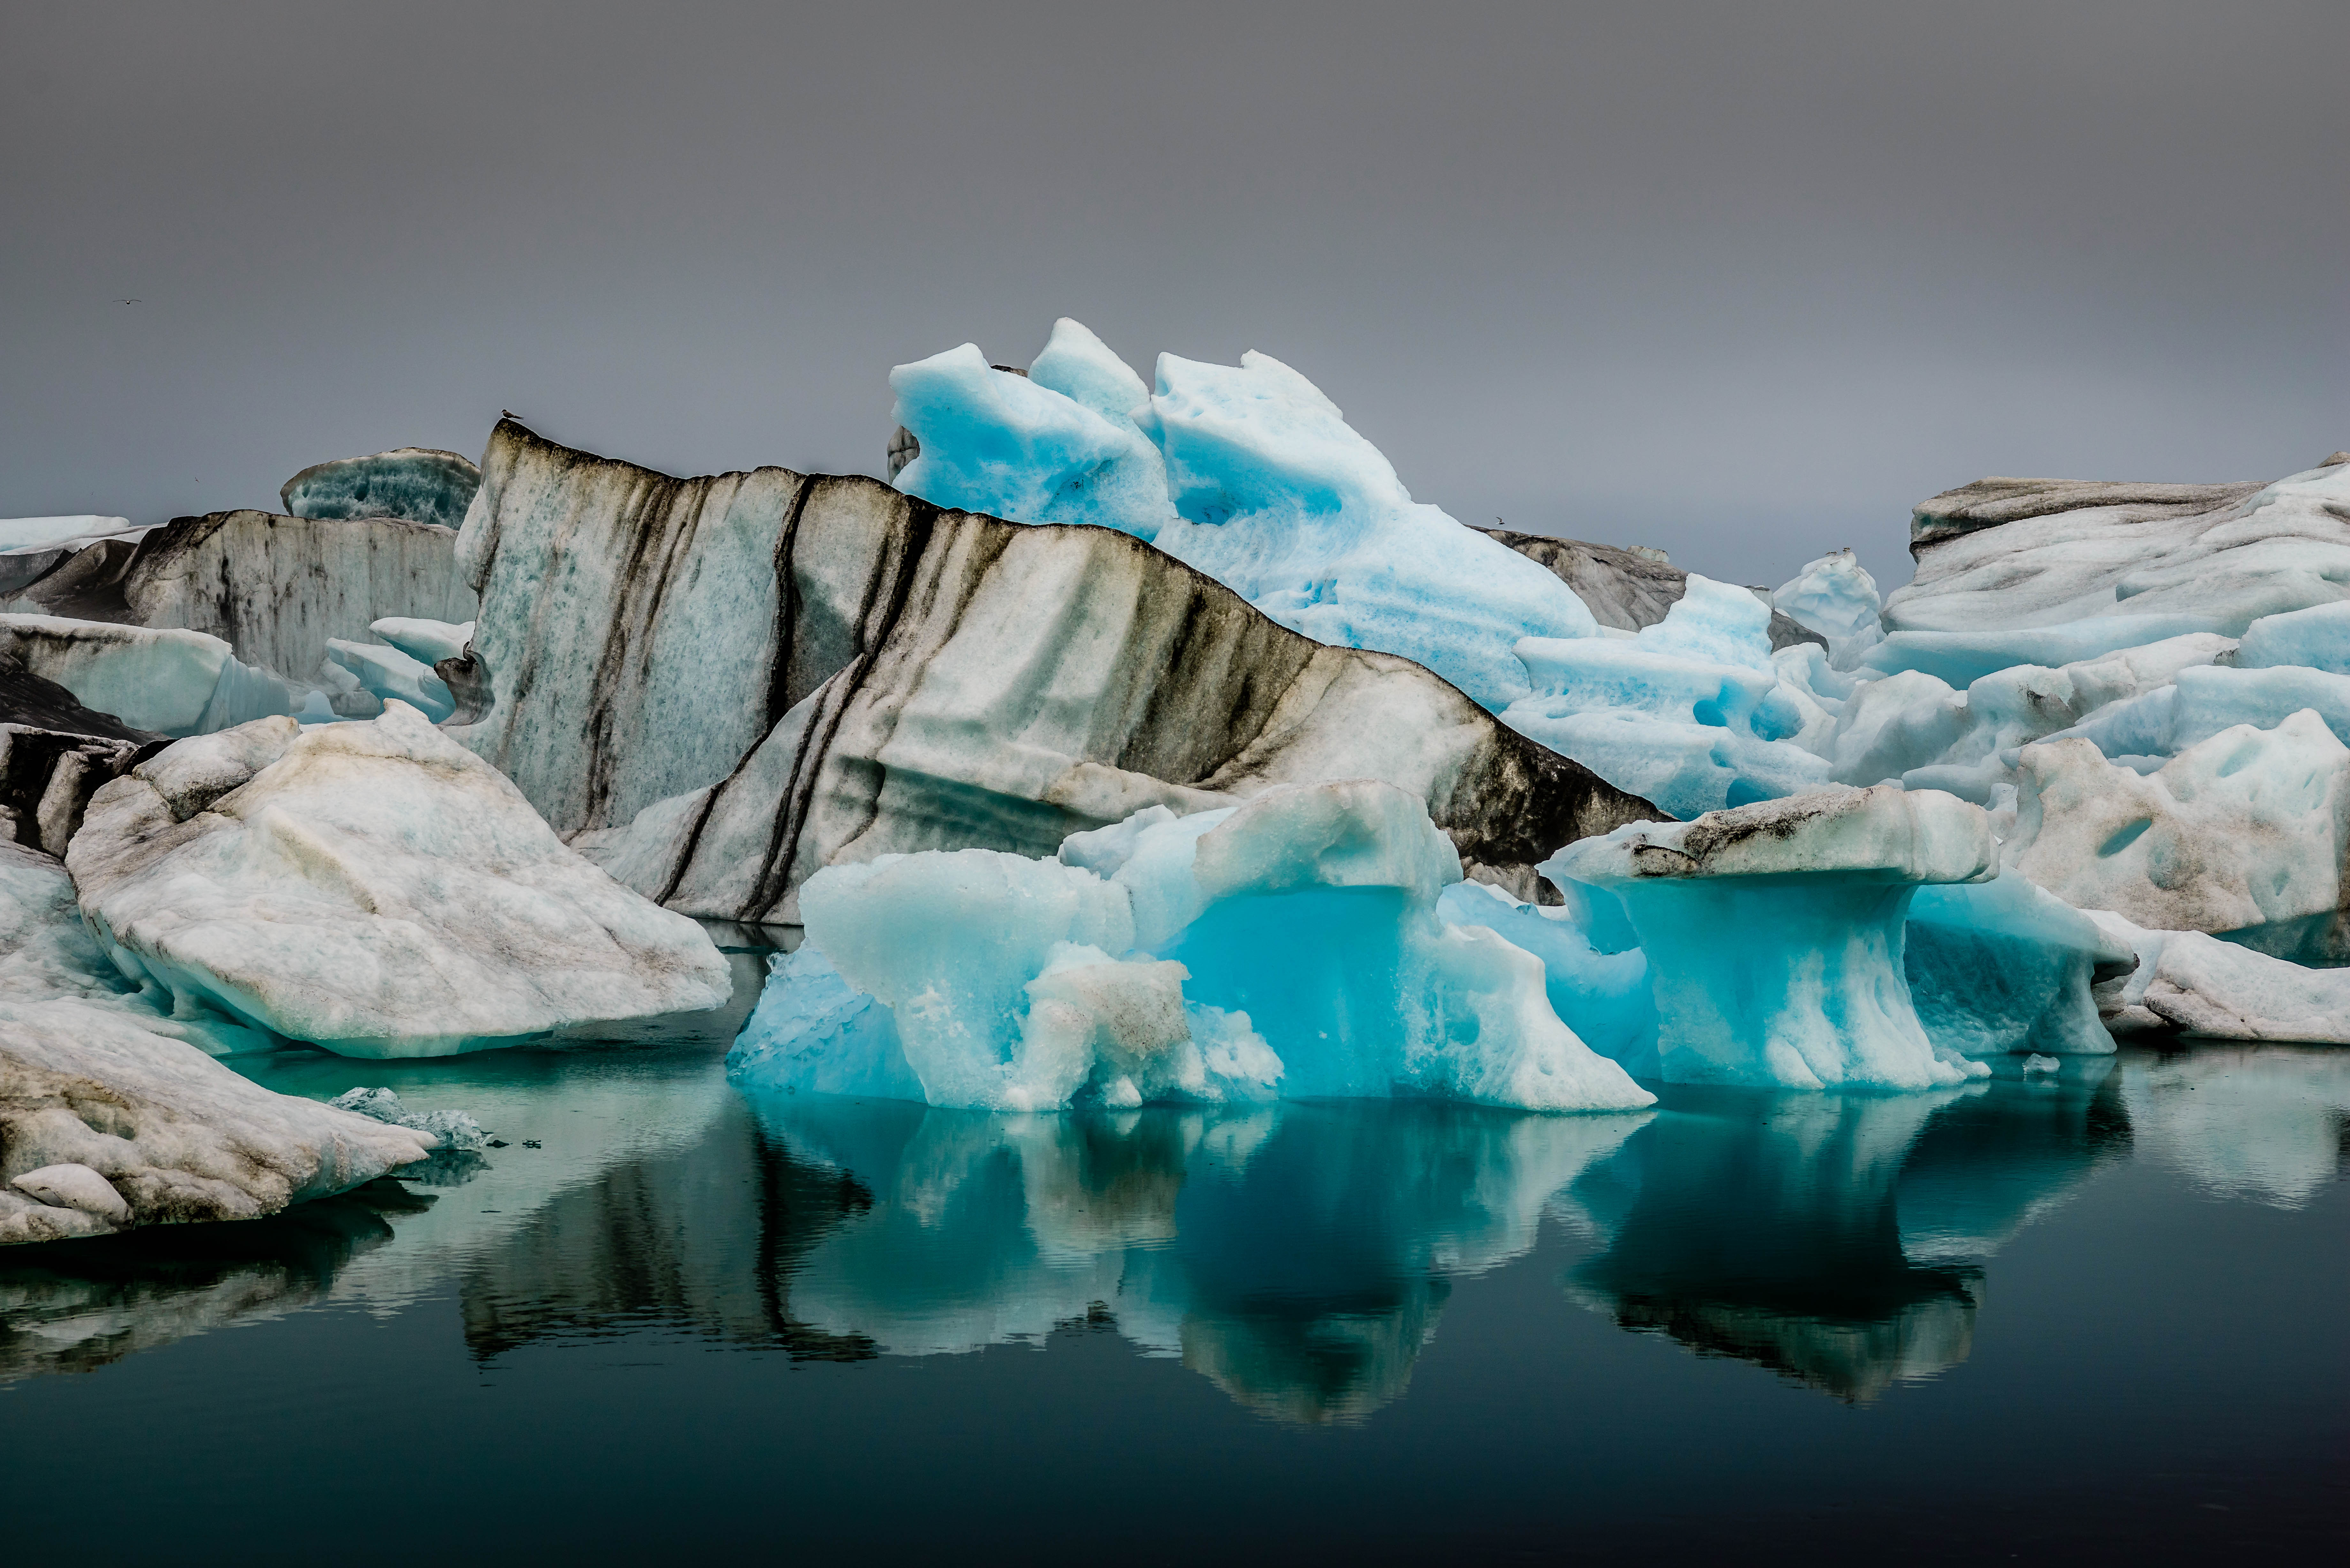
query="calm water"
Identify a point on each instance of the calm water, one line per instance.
(2097, 1319)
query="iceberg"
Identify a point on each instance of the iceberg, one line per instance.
(372, 887)
(1774, 934)
(1248, 473)
(418, 483)
(2244, 834)
(105, 1126)
(1627, 588)
(2026, 554)
(276, 589)
(171, 681)
(1686, 713)
(426, 641)
(1836, 596)
(1289, 945)
(2196, 984)
(715, 687)
(1600, 993)
(2003, 967)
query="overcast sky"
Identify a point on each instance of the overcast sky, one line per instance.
(1742, 280)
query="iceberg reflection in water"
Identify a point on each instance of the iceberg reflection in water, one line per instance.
(1297, 1255)
(672, 1318)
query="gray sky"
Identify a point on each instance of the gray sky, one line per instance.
(1742, 280)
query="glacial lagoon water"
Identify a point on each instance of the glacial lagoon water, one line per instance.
(2093, 1316)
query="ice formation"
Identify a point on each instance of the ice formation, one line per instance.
(2244, 832)
(171, 681)
(1253, 476)
(1688, 712)
(801, 670)
(275, 589)
(1248, 473)
(105, 1126)
(2009, 554)
(2197, 984)
(1836, 596)
(1774, 934)
(372, 887)
(418, 483)
(1627, 587)
(1290, 945)
(2004, 966)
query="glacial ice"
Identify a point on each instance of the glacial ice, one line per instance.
(805, 670)
(1249, 474)
(372, 887)
(1601, 994)
(1289, 945)
(2045, 553)
(276, 589)
(35, 532)
(2244, 832)
(105, 1125)
(2004, 966)
(2200, 985)
(1836, 596)
(1688, 712)
(171, 682)
(1774, 934)
(418, 483)
(391, 674)
(426, 641)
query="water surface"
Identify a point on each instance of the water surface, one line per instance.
(2096, 1318)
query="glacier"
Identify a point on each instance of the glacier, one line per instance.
(1291, 945)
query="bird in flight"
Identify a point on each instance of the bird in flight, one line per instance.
(129, 302)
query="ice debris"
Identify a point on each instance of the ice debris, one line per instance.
(455, 1129)
(1291, 945)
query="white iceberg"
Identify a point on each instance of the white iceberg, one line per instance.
(2197, 984)
(105, 1126)
(372, 887)
(2244, 832)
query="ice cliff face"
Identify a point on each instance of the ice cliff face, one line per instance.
(731, 682)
